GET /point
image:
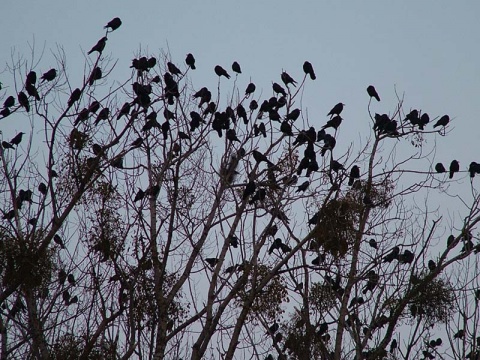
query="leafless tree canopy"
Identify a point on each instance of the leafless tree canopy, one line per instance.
(154, 218)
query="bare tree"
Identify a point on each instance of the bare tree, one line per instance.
(153, 218)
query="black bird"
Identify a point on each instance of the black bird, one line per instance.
(102, 115)
(431, 265)
(277, 88)
(58, 240)
(373, 243)
(439, 168)
(459, 334)
(274, 328)
(221, 72)
(372, 92)
(236, 67)
(165, 129)
(393, 346)
(49, 75)
(62, 276)
(407, 257)
(333, 122)
(372, 281)
(253, 105)
(5, 112)
(393, 255)
(424, 120)
(287, 79)
(260, 130)
(99, 46)
(259, 157)
(211, 261)
(42, 188)
(454, 167)
(413, 117)
(450, 240)
(233, 241)
(32, 91)
(23, 100)
(474, 168)
(113, 24)
(95, 75)
(242, 113)
(93, 107)
(354, 174)
(75, 96)
(139, 195)
(137, 143)
(249, 189)
(303, 187)
(250, 89)
(286, 128)
(231, 135)
(9, 102)
(190, 61)
(125, 110)
(7, 145)
(71, 279)
(17, 139)
(274, 115)
(443, 121)
(293, 115)
(336, 166)
(173, 69)
(336, 110)
(308, 69)
(31, 78)
(117, 163)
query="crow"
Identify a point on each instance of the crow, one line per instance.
(253, 105)
(277, 88)
(17, 139)
(454, 167)
(231, 135)
(221, 72)
(242, 113)
(286, 128)
(474, 168)
(354, 174)
(372, 92)
(329, 144)
(249, 189)
(211, 261)
(336, 166)
(93, 107)
(75, 96)
(9, 102)
(102, 115)
(95, 75)
(49, 75)
(439, 168)
(117, 163)
(23, 100)
(99, 46)
(137, 143)
(303, 187)
(58, 240)
(139, 195)
(308, 69)
(287, 79)
(373, 243)
(42, 188)
(336, 110)
(32, 91)
(250, 89)
(31, 78)
(173, 69)
(190, 61)
(333, 122)
(113, 24)
(443, 121)
(424, 120)
(124, 110)
(293, 115)
(236, 67)
(259, 157)
(431, 265)
(7, 145)
(413, 117)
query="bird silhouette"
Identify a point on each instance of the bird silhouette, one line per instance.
(303, 186)
(293, 115)
(58, 240)
(231, 135)
(17, 139)
(236, 67)
(95, 75)
(286, 128)
(221, 71)
(454, 167)
(99, 46)
(42, 188)
(443, 121)
(49, 75)
(431, 265)
(259, 157)
(250, 89)
(32, 91)
(113, 24)
(277, 88)
(373, 243)
(372, 92)
(125, 110)
(287, 79)
(139, 195)
(173, 69)
(336, 110)
(474, 168)
(31, 78)
(333, 122)
(9, 102)
(242, 113)
(439, 168)
(23, 101)
(7, 145)
(75, 96)
(354, 174)
(190, 61)
(424, 120)
(308, 69)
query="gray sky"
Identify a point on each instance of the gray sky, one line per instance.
(427, 49)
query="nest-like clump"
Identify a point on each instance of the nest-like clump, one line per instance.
(335, 229)
(322, 297)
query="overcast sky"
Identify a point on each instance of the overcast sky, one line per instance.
(426, 50)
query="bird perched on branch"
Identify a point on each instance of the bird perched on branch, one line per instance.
(99, 46)
(236, 67)
(308, 69)
(113, 24)
(443, 121)
(454, 167)
(372, 92)
(49, 75)
(287, 79)
(336, 110)
(221, 71)
(190, 61)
